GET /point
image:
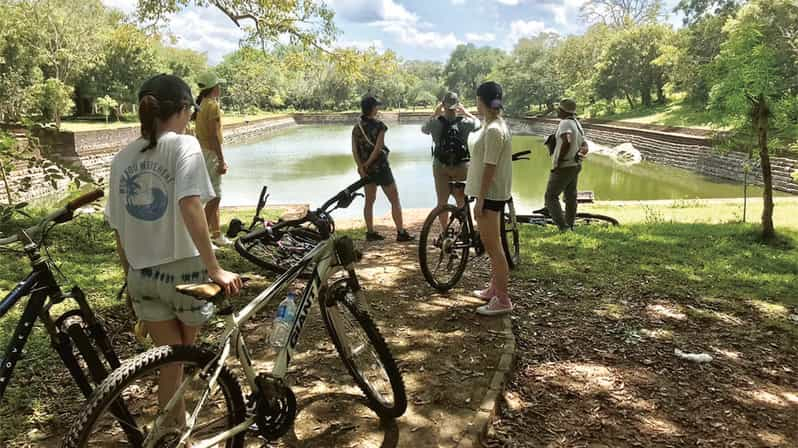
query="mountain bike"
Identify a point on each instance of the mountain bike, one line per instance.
(443, 251)
(278, 249)
(76, 335)
(217, 413)
(541, 216)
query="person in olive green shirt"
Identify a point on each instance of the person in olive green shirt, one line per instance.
(209, 133)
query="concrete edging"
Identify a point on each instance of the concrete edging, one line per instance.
(478, 427)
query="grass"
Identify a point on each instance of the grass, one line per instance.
(682, 248)
(132, 121)
(675, 113)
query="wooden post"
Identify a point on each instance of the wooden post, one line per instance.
(9, 199)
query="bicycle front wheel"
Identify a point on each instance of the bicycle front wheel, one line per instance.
(363, 351)
(511, 241)
(443, 247)
(590, 219)
(136, 383)
(279, 255)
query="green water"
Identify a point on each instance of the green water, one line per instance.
(309, 164)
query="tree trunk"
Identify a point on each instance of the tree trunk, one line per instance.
(645, 96)
(661, 93)
(760, 116)
(630, 100)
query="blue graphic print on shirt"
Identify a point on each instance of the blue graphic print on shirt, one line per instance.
(144, 187)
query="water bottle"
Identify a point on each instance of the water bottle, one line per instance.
(283, 321)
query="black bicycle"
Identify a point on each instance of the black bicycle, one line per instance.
(541, 217)
(280, 247)
(76, 335)
(448, 235)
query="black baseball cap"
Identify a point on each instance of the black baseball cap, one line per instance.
(167, 88)
(491, 94)
(368, 103)
(451, 100)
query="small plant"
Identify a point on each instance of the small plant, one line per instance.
(106, 104)
(653, 216)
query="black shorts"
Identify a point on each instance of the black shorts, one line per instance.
(494, 206)
(382, 176)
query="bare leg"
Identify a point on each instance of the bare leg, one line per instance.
(368, 206)
(490, 234)
(171, 332)
(212, 216)
(396, 207)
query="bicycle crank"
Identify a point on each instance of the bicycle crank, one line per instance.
(275, 407)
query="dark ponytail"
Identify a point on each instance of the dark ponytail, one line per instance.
(151, 111)
(203, 93)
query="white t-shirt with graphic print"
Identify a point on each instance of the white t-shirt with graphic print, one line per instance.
(145, 191)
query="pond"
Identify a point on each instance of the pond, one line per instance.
(310, 163)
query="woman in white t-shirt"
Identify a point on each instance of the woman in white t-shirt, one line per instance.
(158, 185)
(490, 178)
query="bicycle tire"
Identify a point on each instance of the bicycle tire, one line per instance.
(108, 392)
(511, 245)
(424, 242)
(265, 252)
(98, 372)
(583, 219)
(339, 293)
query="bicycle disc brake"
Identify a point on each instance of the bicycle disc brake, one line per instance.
(275, 407)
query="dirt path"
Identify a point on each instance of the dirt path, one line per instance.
(599, 370)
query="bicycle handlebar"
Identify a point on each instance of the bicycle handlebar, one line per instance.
(520, 155)
(61, 215)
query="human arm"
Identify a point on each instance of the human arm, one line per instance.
(494, 143)
(193, 214)
(375, 153)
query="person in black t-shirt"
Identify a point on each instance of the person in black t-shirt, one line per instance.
(371, 157)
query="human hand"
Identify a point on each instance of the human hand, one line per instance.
(231, 283)
(362, 171)
(461, 109)
(221, 167)
(478, 208)
(439, 109)
(583, 149)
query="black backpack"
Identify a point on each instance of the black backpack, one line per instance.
(451, 149)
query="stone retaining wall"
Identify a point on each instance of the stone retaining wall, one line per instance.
(694, 153)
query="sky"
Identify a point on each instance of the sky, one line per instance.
(414, 29)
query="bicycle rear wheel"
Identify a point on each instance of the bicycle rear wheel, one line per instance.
(443, 249)
(590, 219)
(363, 351)
(136, 382)
(511, 241)
(279, 255)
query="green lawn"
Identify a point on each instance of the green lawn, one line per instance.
(82, 126)
(675, 113)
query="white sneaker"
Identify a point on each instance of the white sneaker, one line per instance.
(221, 241)
(494, 308)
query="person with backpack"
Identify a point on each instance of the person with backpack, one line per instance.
(371, 156)
(450, 126)
(569, 150)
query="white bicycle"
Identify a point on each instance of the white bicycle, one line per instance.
(209, 409)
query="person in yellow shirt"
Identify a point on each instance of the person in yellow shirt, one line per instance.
(208, 130)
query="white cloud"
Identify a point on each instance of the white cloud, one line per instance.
(520, 29)
(480, 37)
(458, 2)
(368, 11)
(360, 44)
(509, 2)
(126, 6)
(411, 35)
(206, 30)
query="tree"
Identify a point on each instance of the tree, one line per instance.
(469, 66)
(696, 10)
(52, 97)
(627, 64)
(527, 75)
(254, 80)
(106, 104)
(755, 78)
(305, 22)
(620, 13)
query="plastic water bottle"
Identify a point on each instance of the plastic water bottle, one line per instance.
(283, 321)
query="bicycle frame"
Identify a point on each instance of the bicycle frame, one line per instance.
(323, 256)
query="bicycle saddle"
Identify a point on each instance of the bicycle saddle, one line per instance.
(204, 291)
